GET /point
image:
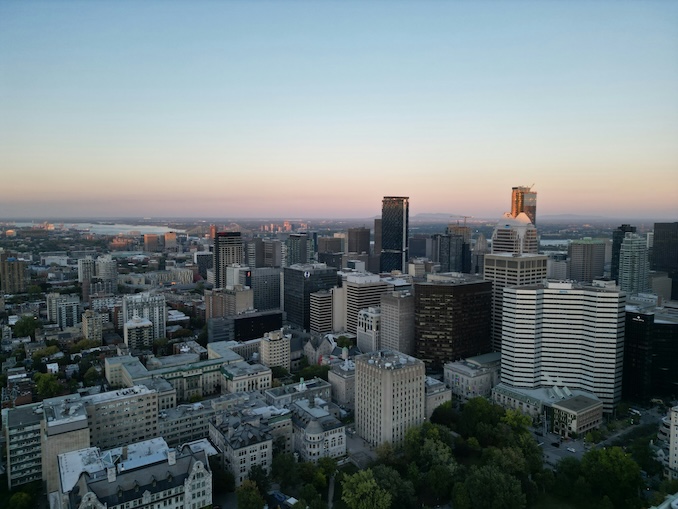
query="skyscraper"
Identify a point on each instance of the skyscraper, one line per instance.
(299, 282)
(395, 214)
(358, 240)
(389, 396)
(515, 235)
(617, 239)
(149, 306)
(362, 291)
(665, 248)
(633, 265)
(561, 333)
(587, 259)
(452, 318)
(507, 269)
(523, 199)
(298, 248)
(228, 249)
(397, 321)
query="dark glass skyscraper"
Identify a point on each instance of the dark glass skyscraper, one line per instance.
(665, 247)
(395, 219)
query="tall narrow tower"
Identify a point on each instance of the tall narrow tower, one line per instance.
(523, 199)
(395, 217)
(228, 250)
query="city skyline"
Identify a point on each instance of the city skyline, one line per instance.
(263, 109)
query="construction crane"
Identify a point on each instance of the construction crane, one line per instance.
(460, 215)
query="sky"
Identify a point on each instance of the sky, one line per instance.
(320, 108)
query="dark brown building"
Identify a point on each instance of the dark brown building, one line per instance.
(452, 316)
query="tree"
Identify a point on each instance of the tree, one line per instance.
(612, 473)
(47, 385)
(478, 411)
(518, 421)
(248, 496)
(444, 414)
(284, 469)
(360, 491)
(91, 377)
(26, 326)
(279, 372)
(490, 488)
(20, 500)
(259, 476)
(222, 480)
(328, 466)
(402, 491)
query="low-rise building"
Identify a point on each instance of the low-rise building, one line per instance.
(577, 415)
(243, 442)
(436, 393)
(473, 377)
(341, 377)
(140, 475)
(317, 433)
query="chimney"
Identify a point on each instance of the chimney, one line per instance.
(111, 474)
(172, 456)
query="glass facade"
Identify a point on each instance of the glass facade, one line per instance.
(395, 214)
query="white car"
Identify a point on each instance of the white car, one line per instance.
(571, 449)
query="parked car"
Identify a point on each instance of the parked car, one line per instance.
(555, 444)
(572, 449)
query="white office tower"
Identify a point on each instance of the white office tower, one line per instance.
(149, 306)
(634, 270)
(507, 269)
(564, 334)
(86, 269)
(107, 268)
(368, 335)
(389, 396)
(397, 321)
(515, 235)
(362, 291)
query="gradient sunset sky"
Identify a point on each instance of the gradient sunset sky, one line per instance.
(319, 109)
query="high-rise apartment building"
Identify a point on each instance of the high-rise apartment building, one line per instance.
(523, 199)
(146, 305)
(634, 273)
(452, 318)
(92, 326)
(86, 269)
(228, 301)
(397, 321)
(362, 291)
(516, 235)
(63, 309)
(673, 444)
(228, 249)
(395, 217)
(12, 274)
(358, 240)
(107, 268)
(389, 396)
(152, 243)
(561, 333)
(507, 269)
(299, 282)
(587, 259)
(299, 249)
(138, 333)
(275, 349)
(617, 239)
